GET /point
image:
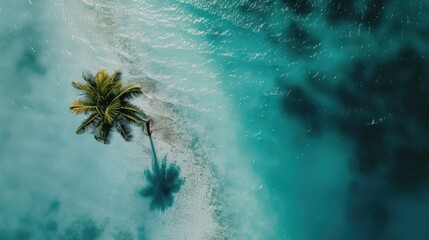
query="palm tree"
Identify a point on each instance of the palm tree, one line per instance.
(164, 182)
(107, 102)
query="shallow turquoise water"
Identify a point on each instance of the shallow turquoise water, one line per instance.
(307, 119)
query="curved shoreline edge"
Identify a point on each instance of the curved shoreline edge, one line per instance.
(183, 146)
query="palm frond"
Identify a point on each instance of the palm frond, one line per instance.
(112, 84)
(112, 90)
(89, 78)
(103, 133)
(101, 77)
(86, 90)
(130, 91)
(132, 109)
(89, 124)
(107, 102)
(112, 112)
(124, 129)
(81, 106)
(102, 80)
(82, 87)
(133, 119)
(117, 75)
(163, 183)
(131, 94)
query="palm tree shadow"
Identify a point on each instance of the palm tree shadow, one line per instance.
(107, 100)
(163, 183)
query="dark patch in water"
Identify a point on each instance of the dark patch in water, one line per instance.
(4, 235)
(411, 169)
(367, 12)
(51, 226)
(394, 147)
(301, 105)
(54, 206)
(374, 12)
(83, 229)
(383, 111)
(24, 49)
(384, 102)
(123, 235)
(22, 234)
(371, 218)
(300, 7)
(36, 225)
(19, 234)
(300, 41)
(340, 10)
(297, 40)
(141, 234)
(29, 59)
(370, 139)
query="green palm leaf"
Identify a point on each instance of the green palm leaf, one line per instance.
(133, 118)
(89, 78)
(131, 109)
(89, 124)
(107, 102)
(86, 89)
(128, 92)
(103, 133)
(124, 129)
(81, 106)
(112, 112)
(111, 83)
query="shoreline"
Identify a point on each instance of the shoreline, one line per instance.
(201, 201)
(202, 182)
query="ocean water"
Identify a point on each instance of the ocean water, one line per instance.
(290, 119)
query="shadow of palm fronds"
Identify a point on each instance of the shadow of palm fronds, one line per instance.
(163, 183)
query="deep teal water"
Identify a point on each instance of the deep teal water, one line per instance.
(311, 114)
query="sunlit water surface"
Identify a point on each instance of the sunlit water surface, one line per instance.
(290, 119)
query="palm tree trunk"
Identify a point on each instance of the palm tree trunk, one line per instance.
(155, 163)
